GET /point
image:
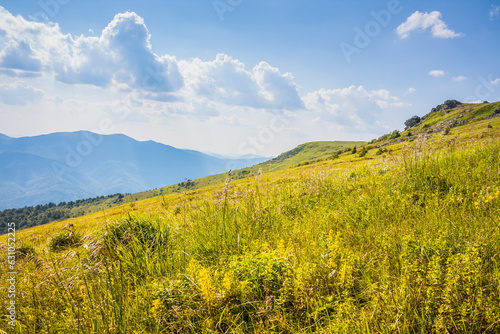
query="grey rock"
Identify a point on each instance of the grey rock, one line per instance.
(447, 105)
(411, 122)
(450, 104)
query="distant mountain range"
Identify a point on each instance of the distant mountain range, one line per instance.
(75, 165)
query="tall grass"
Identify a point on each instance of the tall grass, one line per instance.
(400, 244)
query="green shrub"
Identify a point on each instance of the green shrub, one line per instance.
(25, 250)
(363, 152)
(64, 241)
(147, 233)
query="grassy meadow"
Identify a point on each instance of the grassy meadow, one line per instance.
(404, 238)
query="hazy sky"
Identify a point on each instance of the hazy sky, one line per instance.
(241, 76)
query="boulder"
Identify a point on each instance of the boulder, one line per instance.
(411, 122)
(450, 104)
(447, 105)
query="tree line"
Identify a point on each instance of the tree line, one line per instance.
(30, 216)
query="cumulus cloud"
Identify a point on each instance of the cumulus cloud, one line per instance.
(352, 106)
(227, 80)
(423, 21)
(496, 81)
(436, 73)
(20, 56)
(121, 55)
(44, 40)
(459, 78)
(122, 58)
(19, 94)
(279, 89)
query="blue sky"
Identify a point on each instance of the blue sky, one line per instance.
(241, 76)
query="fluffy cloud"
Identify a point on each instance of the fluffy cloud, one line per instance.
(19, 94)
(122, 55)
(352, 106)
(45, 40)
(436, 73)
(459, 78)
(228, 81)
(424, 21)
(20, 56)
(122, 58)
(496, 81)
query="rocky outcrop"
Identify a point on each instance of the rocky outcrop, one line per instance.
(496, 113)
(411, 122)
(447, 105)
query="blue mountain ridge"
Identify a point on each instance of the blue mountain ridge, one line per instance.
(67, 166)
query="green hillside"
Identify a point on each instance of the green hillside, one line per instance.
(400, 236)
(311, 152)
(301, 155)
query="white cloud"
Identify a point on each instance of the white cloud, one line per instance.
(494, 11)
(436, 73)
(410, 90)
(122, 58)
(227, 80)
(352, 106)
(121, 55)
(423, 21)
(20, 56)
(45, 40)
(279, 89)
(496, 81)
(459, 78)
(19, 94)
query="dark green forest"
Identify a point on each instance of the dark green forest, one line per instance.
(42, 214)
